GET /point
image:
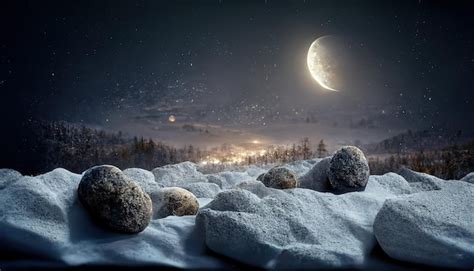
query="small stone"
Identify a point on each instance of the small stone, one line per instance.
(174, 201)
(348, 170)
(280, 178)
(114, 200)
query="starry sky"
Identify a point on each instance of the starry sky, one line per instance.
(234, 71)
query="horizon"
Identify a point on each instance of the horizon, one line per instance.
(240, 76)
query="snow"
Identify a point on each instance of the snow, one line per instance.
(436, 227)
(421, 182)
(42, 216)
(174, 175)
(468, 178)
(7, 176)
(203, 189)
(296, 228)
(42, 219)
(144, 178)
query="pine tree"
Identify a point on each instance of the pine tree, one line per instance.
(306, 148)
(322, 152)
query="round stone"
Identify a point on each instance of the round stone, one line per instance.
(174, 201)
(280, 178)
(114, 200)
(348, 170)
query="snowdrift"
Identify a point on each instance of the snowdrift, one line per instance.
(413, 217)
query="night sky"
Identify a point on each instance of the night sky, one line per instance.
(237, 69)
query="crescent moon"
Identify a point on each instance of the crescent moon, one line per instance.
(319, 64)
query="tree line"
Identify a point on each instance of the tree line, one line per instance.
(59, 144)
(450, 163)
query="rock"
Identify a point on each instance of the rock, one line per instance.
(260, 177)
(421, 182)
(348, 170)
(434, 228)
(144, 178)
(8, 176)
(317, 178)
(280, 178)
(177, 174)
(202, 190)
(43, 223)
(174, 201)
(114, 200)
(468, 178)
(295, 228)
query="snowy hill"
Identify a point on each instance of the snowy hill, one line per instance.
(415, 218)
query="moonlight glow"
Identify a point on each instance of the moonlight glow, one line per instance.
(319, 64)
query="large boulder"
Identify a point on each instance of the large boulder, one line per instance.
(114, 200)
(42, 222)
(348, 170)
(434, 228)
(174, 201)
(177, 174)
(280, 178)
(296, 228)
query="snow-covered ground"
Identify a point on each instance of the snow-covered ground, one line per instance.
(415, 218)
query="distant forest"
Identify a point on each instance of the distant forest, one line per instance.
(60, 144)
(446, 154)
(76, 148)
(449, 163)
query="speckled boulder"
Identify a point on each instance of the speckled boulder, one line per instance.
(280, 178)
(114, 200)
(348, 170)
(173, 201)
